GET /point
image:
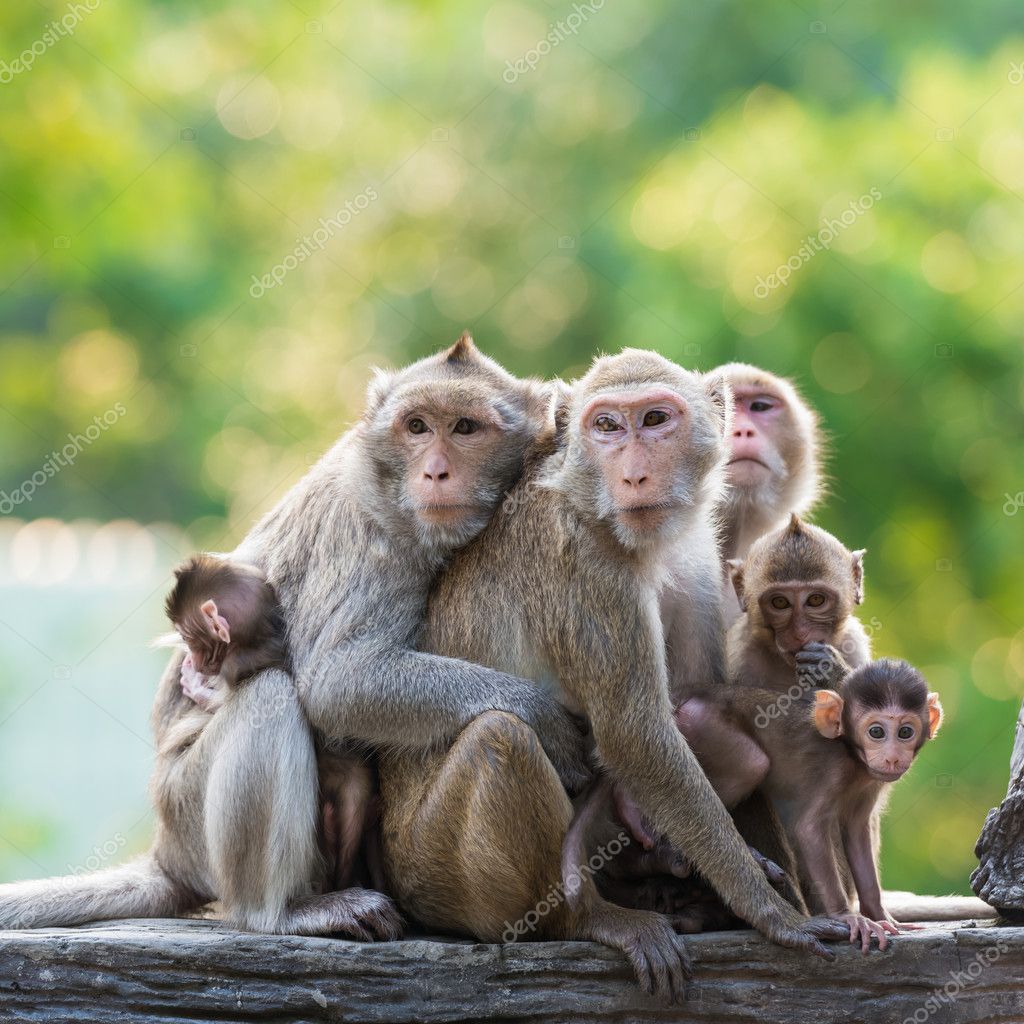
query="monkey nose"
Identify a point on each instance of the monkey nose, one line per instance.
(436, 468)
(635, 479)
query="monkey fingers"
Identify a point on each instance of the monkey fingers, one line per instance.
(194, 685)
(360, 913)
(820, 665)
(863, 929)
(778, 878)
(807, 934)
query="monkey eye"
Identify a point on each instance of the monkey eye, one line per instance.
(816, 600)
(655, 418)
(778, 601)
(416, 426)
(876, 732)
(606, 424)
(761, 405)
(905, 732)
(466, 426)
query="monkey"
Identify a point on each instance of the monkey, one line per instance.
(352, 551)
(831, 756)
(564, 590)
(230, 620)
(775, 459)
(228, 617)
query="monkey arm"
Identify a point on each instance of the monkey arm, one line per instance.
(415, 700)
(815, 845)
(859, 846)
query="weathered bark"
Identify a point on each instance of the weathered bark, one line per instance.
(172, 972)
(999, 878)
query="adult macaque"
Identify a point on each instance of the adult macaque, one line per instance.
(831, 755)
(351, 551)
(564, 590)
(774, 464)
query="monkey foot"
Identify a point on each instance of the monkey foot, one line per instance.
(360, 913)
(649, 942)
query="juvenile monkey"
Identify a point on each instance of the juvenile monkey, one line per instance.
(229, 618)
(564, 590)
(831, 756)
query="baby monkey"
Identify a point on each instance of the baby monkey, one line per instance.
(228, 616)
(829, 769)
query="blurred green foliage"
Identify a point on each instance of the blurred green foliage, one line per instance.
(635, 186)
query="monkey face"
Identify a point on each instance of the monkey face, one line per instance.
(799, 614)
(887, 739)
(761, 420)
(637, 438)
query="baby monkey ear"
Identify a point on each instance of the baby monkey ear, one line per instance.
(934, 714)
(736, 575)
(216, 625)
(828, 714)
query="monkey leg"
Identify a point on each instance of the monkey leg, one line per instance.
(259, 819)
(472, 841)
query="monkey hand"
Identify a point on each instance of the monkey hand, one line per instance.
(820, 666)
(778, 878)
(194, 685)
(563, 738)
(863, 929)
(794, 931)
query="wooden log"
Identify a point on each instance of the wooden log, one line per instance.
(172, 972)
(999, 877)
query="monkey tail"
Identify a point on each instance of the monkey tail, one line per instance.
(139, 888)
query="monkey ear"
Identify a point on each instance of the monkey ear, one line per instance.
(561, 400)
(736, 575)
(796, 525)
(463, 350)
(828, 713)
(215, 623)
(377, 390)
(858, 575)
(716, 387)
(935, 714)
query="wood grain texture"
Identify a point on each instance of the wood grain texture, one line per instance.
(143, 972)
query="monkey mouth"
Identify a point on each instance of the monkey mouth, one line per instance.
(445, 512)
(880, 776)
(749, 459)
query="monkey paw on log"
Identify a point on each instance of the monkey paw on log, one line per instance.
(999, 877)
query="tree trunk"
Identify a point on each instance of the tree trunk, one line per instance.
(999, 878)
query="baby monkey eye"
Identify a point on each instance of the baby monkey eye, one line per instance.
(606, 424)
(761, 405)
(778, 601)
(876, 732)
(416, 426)
(906, 732)
(816, 600)
(655, 418)
(466, 426)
